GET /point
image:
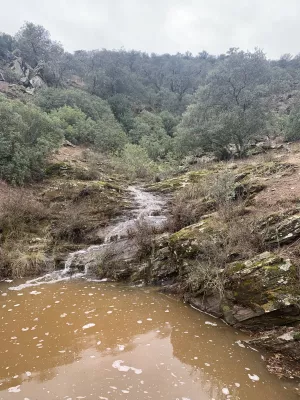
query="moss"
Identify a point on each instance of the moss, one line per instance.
(57, 169)
(225, 308)
(296, 336)
(239, 266)
(190, 232)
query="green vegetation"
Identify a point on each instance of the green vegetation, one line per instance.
(169, 106)
(27, 136)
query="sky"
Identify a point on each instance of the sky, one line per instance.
(162, 26)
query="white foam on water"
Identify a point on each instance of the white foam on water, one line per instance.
(125, 368)
(225, 391)
(210, 323)
(87, 326)
(253, 377)
(14, 389)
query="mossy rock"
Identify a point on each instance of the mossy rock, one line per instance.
(58, 169)
(265, 291)
(176, 183)
(281, 228)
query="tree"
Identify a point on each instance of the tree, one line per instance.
(34, 43)
(6, 45)
(292, 124)
(27, 136)
(230, 108)
(150, 133)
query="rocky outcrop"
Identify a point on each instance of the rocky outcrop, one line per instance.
(27, 77)
(260, 293)
(281, 228)
(285, 343)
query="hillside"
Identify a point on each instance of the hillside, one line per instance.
(215, 139)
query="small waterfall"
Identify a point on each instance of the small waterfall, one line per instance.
(148, 208)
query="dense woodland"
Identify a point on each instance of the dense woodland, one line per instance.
(151, 108)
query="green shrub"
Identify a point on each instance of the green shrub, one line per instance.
(27, 136)
(135, 162)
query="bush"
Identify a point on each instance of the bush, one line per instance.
(20, 212)
(142, 234)
(293, 126)
(214, 192)
(135, 162)
(27, 136)
(188, 206)
(85, 118)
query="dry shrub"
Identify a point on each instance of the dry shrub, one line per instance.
(142, 235)
(197, 199)
(27, 264)
(19, 212)
(18, 260)
(239, 240)
(207, 273)
(244, 239)
(72, 224)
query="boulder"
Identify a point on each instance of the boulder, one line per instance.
(284, 345)
(259, 293)
(281, 228)
(37, 82)
(262, 292)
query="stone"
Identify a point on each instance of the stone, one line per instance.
(265, 291)
(285, 343)
(281, 229)
(37, 82)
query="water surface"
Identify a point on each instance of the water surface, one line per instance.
(89, 340)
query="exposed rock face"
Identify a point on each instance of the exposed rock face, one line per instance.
(258, 294)
(281, 229)
(285, 343)
(37, 82)
(28, 77)
(285, 340)
(262, 292)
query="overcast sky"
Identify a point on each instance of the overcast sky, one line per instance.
(162, 25)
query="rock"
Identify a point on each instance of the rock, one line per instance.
(258, 293)
(18, 67)
(285, 343)
(24, 81)
(30, 91)
(263, 292)
(281, 228)
(68, 144)
(37, 82)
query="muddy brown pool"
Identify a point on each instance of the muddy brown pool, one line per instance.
(91, 340)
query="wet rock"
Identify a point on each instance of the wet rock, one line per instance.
(285, 340)
(285, 343)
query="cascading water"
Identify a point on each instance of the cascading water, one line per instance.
(149, 208)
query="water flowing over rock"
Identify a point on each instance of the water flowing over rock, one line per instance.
(118, 249)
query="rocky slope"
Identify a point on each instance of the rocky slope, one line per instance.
(241, 264)
(236, 257)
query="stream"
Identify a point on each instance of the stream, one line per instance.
(68, 336)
